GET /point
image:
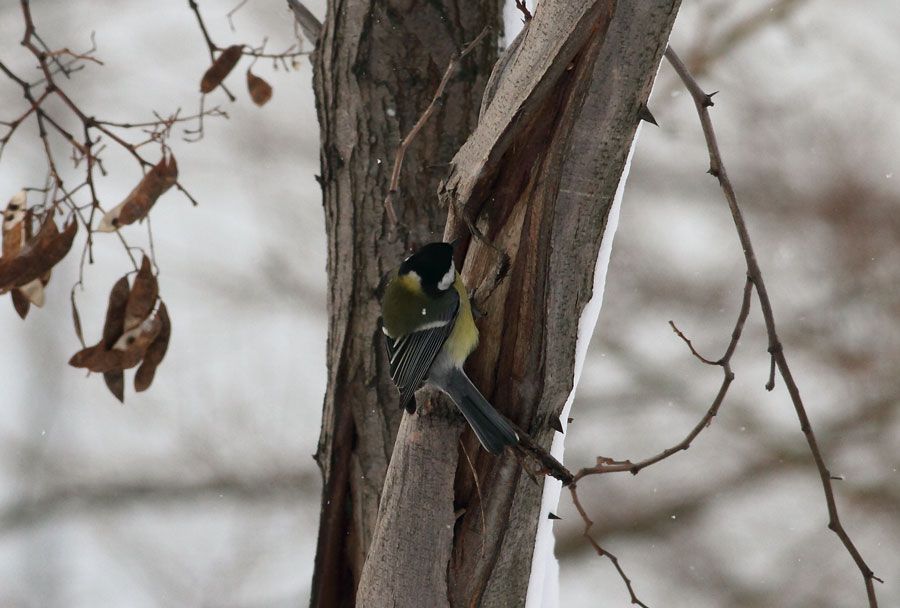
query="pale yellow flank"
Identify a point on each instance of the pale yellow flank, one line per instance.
(464, 337)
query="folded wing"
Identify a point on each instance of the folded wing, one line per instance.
(412, 354)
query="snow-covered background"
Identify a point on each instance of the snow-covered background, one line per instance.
(202, 492)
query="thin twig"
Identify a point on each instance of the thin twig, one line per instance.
(477, 491)
(230, 14)
(401, 150)
(607, 465)
(586, 533)
(702, 102)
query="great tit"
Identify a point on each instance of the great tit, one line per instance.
(427, 320)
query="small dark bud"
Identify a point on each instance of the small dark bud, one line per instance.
(551, 515)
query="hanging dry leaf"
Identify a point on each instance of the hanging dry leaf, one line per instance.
(134, 342)
(16, 238)
(220, 68)
(155, 352)
(115, 382)
(38, 255)
(20, 303)
(14, 225)
(142, 297)
(33, 291)
(139, 201)
(76, 318)
(126, 353)
(260, 90)
(114, 326)
(133, 333)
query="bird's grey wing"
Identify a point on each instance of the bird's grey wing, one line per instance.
(412, 354)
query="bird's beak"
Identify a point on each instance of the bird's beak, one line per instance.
(456, 242)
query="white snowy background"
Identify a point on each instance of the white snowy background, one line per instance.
(202, 491)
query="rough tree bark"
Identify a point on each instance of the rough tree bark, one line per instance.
(376, 68)
(538, 176)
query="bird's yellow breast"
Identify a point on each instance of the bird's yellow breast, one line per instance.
(464, 337)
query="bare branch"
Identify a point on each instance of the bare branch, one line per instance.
(702, 102)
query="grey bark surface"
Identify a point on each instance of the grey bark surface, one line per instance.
(412, 542)
(376, 67)
(538, 176)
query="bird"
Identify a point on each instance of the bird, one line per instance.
(429, 330)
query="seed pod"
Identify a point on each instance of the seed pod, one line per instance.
(220, 68)
(40, 254)
(139, 201)
(260, 90)
(155, 352)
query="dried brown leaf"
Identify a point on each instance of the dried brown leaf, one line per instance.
(97, 359)
(38, 256)
(20, 303)
(14, 225)
(115, 382)
(139, 201)
(114, 326)
(134, 342)
(76, 318)
(142, 298)
(220, 68)
(155, 352)
(127, 352)
(260, 90)
(34, 291)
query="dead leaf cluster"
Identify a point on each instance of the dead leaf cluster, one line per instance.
(28, 259)
(136, 331)
(260, 91)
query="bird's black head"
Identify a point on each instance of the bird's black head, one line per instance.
(433, 264)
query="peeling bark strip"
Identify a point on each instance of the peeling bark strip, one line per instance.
(538, 176)
(376, 68)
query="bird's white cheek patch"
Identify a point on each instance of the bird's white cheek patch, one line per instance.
(447, 280)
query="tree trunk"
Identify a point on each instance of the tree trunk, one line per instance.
(538, 177)
(457, 526)
(376, 69)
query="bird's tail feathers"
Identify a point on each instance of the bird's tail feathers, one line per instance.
(492, 429)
